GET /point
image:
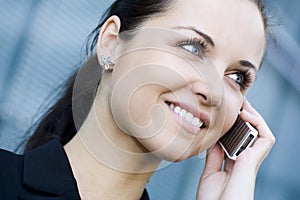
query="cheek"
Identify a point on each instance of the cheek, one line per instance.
(233, 103)
(142, 101)
(135, 103)
(137, 84)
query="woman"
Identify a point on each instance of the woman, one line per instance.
(173, 79)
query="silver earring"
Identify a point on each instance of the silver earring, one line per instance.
(107, 62)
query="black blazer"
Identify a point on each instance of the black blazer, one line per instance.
(40, 174)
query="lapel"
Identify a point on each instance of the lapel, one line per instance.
(47, 171)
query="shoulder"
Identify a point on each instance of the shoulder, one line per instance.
(10, 163)
(10, 173)
(44, 170)
(8, 158)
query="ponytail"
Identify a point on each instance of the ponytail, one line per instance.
(58, 121)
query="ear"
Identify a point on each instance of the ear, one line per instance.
(108, 38)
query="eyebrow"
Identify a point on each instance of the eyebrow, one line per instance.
(202, 34)
(244, 63)
(248, 64)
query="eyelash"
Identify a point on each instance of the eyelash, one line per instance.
(202, 48)
(247, 78)
(200, 44)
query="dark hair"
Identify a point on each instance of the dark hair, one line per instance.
(58, 122)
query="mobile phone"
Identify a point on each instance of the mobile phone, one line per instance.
(241, 135)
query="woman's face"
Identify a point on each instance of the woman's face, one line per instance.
(179, 83)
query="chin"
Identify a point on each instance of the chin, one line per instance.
(174, 155)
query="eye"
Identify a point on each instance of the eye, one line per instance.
(242, 78)
(194, 46)
(237, 77)
(191, 48)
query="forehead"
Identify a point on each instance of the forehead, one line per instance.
(237, 24)
(220, 16)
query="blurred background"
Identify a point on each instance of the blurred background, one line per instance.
(42, 41)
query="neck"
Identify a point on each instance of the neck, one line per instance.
(107, 163)
(96, 180)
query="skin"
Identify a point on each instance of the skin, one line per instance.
(130, 113)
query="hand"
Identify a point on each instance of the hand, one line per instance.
(236, 180)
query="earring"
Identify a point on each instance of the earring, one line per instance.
(107, 63)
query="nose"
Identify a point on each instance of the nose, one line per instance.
(209, 92)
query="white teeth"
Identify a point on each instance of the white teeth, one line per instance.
(177, 109)
(201, 124)
(189, 117)
(186, 115)
(197, 122)
(172, 106)
(183, 113)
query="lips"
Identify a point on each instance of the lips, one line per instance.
(196, 119)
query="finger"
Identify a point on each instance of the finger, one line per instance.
(214, 161)
(258, 122)
(265, 140)
(228, 165)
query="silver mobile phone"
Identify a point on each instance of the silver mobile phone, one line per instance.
(241, 135)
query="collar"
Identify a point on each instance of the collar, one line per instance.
(47, 169)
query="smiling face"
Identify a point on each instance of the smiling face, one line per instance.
(179, 83)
